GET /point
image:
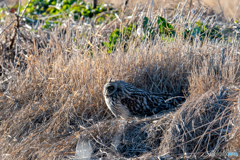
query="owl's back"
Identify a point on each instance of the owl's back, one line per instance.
(149, 104)
(125, 100)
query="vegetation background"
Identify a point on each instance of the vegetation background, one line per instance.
(228, 8)
(52, 74)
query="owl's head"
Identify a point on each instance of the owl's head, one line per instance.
(110, 87)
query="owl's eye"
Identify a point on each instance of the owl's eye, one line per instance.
(111, 88)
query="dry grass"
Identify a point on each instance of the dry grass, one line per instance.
(228, 9)
(53, 101)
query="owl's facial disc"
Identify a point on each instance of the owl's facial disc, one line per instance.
(110, 88)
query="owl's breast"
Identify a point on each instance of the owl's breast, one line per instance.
(117, 108)
(111, 105)
(110, 102)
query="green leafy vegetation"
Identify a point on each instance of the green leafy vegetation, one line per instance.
(203, 31)
(62, 8)
(122, 36)
(163, 28)
(52, 12)
(119, 37)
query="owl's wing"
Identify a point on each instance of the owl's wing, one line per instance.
(146, 104)
(141, 104)
(133, 105)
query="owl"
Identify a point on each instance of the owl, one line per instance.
(124, 100)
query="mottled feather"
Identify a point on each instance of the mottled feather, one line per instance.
(125, 100)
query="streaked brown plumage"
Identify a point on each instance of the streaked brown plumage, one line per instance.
(125, 100)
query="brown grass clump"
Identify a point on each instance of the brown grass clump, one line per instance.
(52, 105)
(202, 125)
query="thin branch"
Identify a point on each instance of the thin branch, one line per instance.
(8, 26)
(25, 8)
(7, 7)
(19, 5)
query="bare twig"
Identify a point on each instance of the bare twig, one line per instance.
(8, 26)
(25, 8)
